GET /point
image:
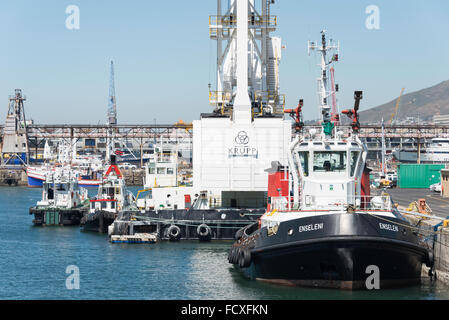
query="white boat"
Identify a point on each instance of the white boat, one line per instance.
(61, 190)
(161, 171)
(162, 168)
(84, 167)
(63, 200)
(436, 152)
(111, 199)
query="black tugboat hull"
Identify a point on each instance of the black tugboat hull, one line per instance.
(202, 225)
(337, 251)
(339, 263)
(98, 221)
(57, 217)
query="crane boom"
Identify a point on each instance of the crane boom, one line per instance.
(397, 107)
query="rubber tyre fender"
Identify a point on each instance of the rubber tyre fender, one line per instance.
(244, 258)
(430, 260)
(204, 231)
(235, 256)
(239, 234)
(230, 254)
(174, 233)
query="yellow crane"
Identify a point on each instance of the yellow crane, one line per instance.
(397, 106)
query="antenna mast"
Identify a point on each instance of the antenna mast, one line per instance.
(325, 48)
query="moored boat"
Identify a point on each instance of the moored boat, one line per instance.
(63, 200)
(112, 198)
(322, 227)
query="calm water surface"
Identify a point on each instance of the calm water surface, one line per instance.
(33, 262)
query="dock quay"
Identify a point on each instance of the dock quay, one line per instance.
(12, 176)
(434, 229)
(176, 225)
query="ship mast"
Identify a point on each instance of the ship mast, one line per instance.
(325, 49)
(384, 151)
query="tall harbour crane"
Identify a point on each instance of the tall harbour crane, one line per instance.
(396, 109)
(112, 106)
(112, 114)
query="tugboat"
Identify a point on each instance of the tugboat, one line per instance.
(322, 227)
(63, 202)
(112, 198)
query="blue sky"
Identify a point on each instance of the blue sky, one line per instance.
(164, 58)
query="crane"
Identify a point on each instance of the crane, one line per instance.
(112, 106)
(397, 107)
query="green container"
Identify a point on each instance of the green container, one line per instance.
(419, 176)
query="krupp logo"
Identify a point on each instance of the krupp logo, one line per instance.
(242, 138)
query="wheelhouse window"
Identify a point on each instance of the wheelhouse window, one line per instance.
(160, 170)
(354, 161)
(304, 160)
(151, 170)
(110, 192)
(170, 171)
(325, 161)
(62, 187)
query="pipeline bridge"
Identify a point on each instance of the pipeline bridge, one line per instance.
(138, 136)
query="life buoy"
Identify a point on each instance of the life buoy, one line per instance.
(204, 232)
(174, 233)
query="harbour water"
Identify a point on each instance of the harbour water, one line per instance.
(33, 264)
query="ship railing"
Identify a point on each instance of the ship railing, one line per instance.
(350, 204)
(276, 100)
(226, 22)
(219, 97)
(215, 203)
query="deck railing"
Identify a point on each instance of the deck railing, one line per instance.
(321, 203)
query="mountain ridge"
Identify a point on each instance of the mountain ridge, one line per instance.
(424, 103)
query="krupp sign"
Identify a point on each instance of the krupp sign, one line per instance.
(242, 148)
